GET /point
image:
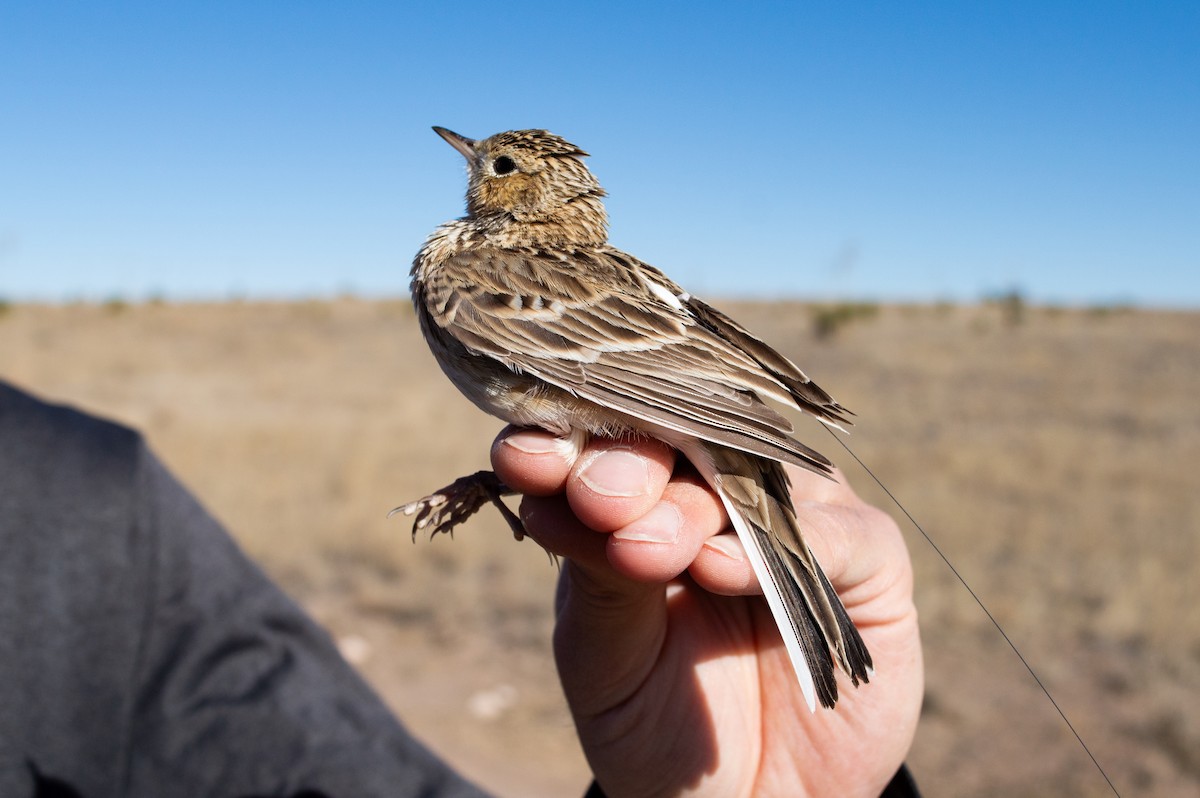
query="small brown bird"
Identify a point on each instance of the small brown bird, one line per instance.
(541, 323)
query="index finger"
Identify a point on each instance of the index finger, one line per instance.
(609, 482)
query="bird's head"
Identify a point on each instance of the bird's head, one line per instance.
(536, 179)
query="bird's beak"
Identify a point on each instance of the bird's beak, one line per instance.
(463, 144)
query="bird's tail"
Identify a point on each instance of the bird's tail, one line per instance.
(810, 616)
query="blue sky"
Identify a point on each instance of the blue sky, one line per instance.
(886, 151)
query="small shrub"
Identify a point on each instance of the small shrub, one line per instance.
(115, 306)
(828, 319)
(1107, 311)
(1012, 305)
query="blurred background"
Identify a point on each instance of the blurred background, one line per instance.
(979, 228)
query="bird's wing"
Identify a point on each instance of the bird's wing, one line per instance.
(615, 331)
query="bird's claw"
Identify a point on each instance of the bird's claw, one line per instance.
(445, 509)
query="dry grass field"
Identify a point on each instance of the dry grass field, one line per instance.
(1053, 454)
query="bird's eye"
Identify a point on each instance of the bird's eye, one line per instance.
(503, 165)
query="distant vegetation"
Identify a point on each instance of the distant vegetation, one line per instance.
(115, 305)
(828, 319)
(1012, 305)
(1104, 311)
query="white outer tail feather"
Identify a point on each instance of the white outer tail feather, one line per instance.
(699, 458)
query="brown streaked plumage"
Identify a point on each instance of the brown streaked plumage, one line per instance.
(538, 321)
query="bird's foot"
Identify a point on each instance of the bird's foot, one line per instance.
(447, 508)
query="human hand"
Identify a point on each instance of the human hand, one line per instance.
(675, 674)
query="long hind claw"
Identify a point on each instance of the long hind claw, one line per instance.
(447, 508)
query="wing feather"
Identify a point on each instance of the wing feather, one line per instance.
(617, 332)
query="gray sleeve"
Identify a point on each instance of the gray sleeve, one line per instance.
(238, 691)
(145, 656)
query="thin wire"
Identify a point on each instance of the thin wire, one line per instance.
(978, 601)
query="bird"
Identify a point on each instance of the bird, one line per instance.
(539, 321)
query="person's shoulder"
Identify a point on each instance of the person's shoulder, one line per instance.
(44, 444)
(22, 412)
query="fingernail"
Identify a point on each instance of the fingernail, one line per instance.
(660, 525)
(727, 546)
(617, 473)
(532, 442)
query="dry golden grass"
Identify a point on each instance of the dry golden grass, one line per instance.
(1052, 453)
